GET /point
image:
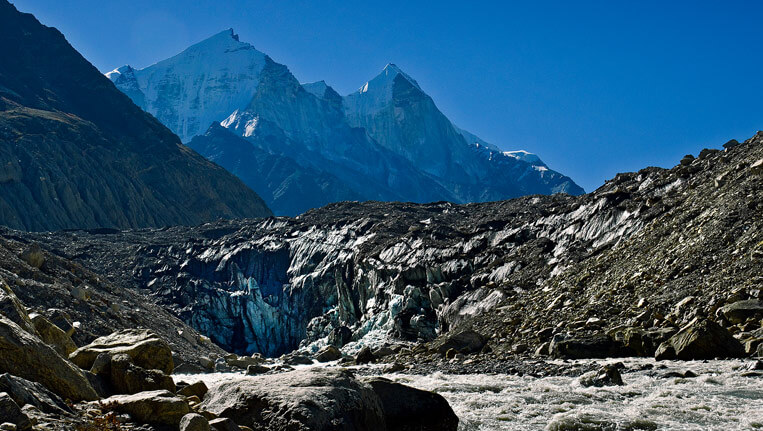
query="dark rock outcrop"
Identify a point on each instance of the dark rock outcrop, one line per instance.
(24, 392)
(154, 407)
(410, 409)
(77, 153)
(142, 346)
(700, 339)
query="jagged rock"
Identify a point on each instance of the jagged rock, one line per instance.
(81, 293)
(757, 168)
(242, 361)
(223, 424)
(11, 412)
(194, 422)
(198, 389)
(26, 356)
(700, 339)
(143, 346)
(364, 356)
(608, 375)
(52, 335)
(466, 341)
(13, 309)
(154, 407)
(731, 144)
(127, 378)
(383, 352)
(314, 399)
(740, 311)
(207, 363)
(328, 354)
(25, 392)
(297, 359)
(340, 336)
(61, 319)
(596, 346)
(410, 409)
(253, 370)
(33, 256)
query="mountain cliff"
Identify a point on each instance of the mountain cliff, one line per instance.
(388, 141)
(76, 153)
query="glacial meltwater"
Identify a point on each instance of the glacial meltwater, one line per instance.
(724, 395)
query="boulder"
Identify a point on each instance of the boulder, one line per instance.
(33, 256)
(466, 341)
(584, 347)
(700, 339)
(128, 378)
(328, 354)
(61, 319)
(253, 370)
(10, 412)
(25, 392)
(364, 356)
(313, 399)
(410, 409)
(608, 375)
(740, 311)
(198, 389)
(194, 422)
(145, 348)
(340, 336)
(153, 407)
(223, 424)
(242, 361)
(26, 356)
(52, 335)
(12, 308)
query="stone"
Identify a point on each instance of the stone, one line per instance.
(757, 167)
(102, 365)
(340, 336)
(410, 409)
(223, 424)
(608, 375)
(731, 144)
(364, 356)
(25, 392)
(315, 399)
(61, 319)
(596, 346)
(10, 412)
(700, 339)
(207, 363)
(253, 370)
(52, 335)
(466, 341)
(145, 348)
(128, 378)
(194, 422)
(328, 354)
(242, 361)
(81, 293)
(198, 389)
(451, 353)
(27, 356)
(12, 308)
(297, 359)
(153, 407)
(382, 352)
(687, 159)
(740, 311)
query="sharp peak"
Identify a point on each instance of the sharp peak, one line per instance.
(391, 71)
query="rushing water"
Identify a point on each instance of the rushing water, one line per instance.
(719, 398)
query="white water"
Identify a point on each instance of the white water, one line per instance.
(718, 399)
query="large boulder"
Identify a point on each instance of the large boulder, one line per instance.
(145, 348)
(700, 339)
(12, 308)
(52, 335)
(740, 311)
(27, 356)
(328, 354)
(314, 399)
(466, 341)
(410, 409)
(10, 412)
(128, 378)
(194, 422)
(608, 375)
(584, 347)
(153, 407)
(25, 392)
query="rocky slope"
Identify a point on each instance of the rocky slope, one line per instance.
(649, 250)
(76, 153)
(386, 142)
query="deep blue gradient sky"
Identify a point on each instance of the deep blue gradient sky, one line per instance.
(594, 88)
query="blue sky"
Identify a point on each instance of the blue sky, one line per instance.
(594, 88)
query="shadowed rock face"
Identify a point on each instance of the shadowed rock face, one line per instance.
(414, 271)
(77, 153)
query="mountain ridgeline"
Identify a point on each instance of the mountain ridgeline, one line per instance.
(76, 153)
(302, 146)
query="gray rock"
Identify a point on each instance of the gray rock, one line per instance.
(52, 335)
(198, 389)
(223, 424)
(127, 378)
(410, 409)
(13, 309)
(328, 354)
(25, 392)
(194, 422)
(466, 341)
(154, 407)
(740, 311)
(596, 346)
(28, 357)
(364, 356)
(314, 399)
(608, 375)
(253, 370)
(11, 412)
(700, 339)
(145, 348)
